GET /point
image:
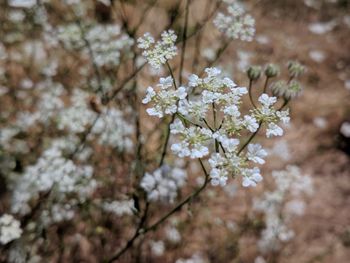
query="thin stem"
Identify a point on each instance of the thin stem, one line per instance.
(250, 139)
(143, 231)
(167, 136)
(250, 93)
(171, 73)
(184, 37)
(286, 101)
(181, 204)
(131, 241)
(265, 85)
(207, 124)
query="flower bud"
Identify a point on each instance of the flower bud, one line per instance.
(279, 88)
(295, 69)
(294, 89)
(254, 72)
(287, 91)
(271, 70)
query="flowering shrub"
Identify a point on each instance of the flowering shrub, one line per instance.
(77, 149)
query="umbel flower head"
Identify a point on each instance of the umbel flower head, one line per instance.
(165, 98)
(196, 133)
(236, 24)
(158, 53)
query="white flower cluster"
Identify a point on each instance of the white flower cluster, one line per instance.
(281, 205)
(50, 102)
(78, 116)
(158, 53)
(236, 24)
(110, 127)
(267, 114)
(10, 229)
(57, 213)
(223, 96)
(196, 258)
(52, 172)
(112, 130)
(193, 140)
(165, 99)
(157, 248)
(172, 234)
(163, 184)
(107, 43)
(119, 208)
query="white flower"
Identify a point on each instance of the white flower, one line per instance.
(212, 72)
(250, 123)
(256, 153)
(176, 127)
(273, 130)
(160, 52)
(149, 95)
(173, 235)
(267, 101)
(345, 129)
(9, 229)
(193, 80)
(218, 177)
(194, 109)
(165, 99)
(251, 177)
(232, 110)
(236, 24)
(283, 116)
(157, 248)
(119, 208)
(163, 184)
(192, 141)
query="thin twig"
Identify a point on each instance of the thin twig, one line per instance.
(184, 37)
(154, 226)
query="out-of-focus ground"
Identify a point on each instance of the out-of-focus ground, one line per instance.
(318, 35)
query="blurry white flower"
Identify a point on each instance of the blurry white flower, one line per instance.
(157, 248)
(9, 229)
(236, 24)
(256, 153)
(345, 129)
(160, 52)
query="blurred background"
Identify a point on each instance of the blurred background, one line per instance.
(37, 67)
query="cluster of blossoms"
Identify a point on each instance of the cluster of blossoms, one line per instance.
(119, 208)
(56, 174)
(163, 184)
(236, 24)
(158, 53)
(193, 106)
(109, 127)
(10, 229)
(106, 42)
(165, 99)
(281, 205)
(77, 117)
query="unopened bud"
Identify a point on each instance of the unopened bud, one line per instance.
(285, 90)
(271, 70)
(254, 72)
(295, 69)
